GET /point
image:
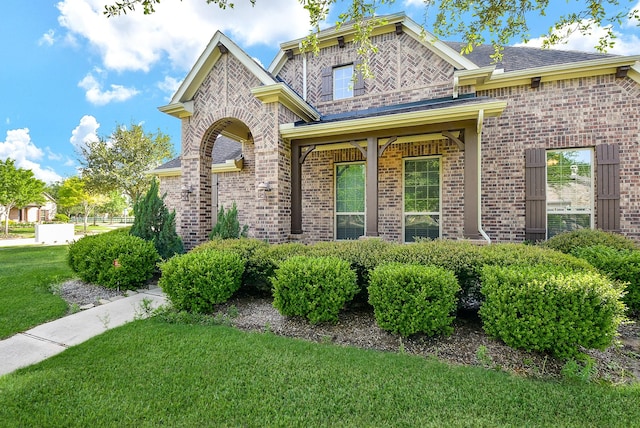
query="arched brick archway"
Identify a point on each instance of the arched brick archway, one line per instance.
(198, 211)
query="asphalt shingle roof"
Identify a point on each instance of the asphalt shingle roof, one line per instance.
(520, 58)
(224, 149)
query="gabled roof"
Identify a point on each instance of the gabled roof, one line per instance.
(392, 23)
(181, 104)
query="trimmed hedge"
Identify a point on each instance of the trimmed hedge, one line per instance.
(619, 265)
(316, 288)
(113, 259)
(543, 309)
(409, 299)
(568, 241)
(197, 281)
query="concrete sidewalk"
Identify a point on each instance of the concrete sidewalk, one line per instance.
(49, 339)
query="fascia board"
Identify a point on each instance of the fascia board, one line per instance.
(443, 50)
(634, 72)
(378, 123)
(557, 72)
(179, 110)
(231, 165)
(287, 97)
(166, 172)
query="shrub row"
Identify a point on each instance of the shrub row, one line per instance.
(113, 259)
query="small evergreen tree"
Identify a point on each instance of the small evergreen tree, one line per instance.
(153, 222)
(228, 226)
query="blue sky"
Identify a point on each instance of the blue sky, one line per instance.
(69, 74)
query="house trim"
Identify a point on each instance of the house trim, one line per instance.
(491, 78)
(284, 95)
(230, 165)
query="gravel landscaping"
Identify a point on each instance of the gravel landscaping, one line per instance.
(468, 345)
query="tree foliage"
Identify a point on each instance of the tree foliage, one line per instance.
(153, 222)
(18, 188)
(504, 20)
(121, 162)
(74, 194)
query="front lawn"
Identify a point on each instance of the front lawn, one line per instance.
(26, 274)
(151, 373)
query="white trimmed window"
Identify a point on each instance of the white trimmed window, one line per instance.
(350, 201)
(422, 198)
(343, 82)
(569, 190)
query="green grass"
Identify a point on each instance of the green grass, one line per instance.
(152, 373)
(22, 232)
(25, 276)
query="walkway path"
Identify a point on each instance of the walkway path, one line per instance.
(47, 340)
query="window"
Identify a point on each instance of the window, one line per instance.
(421, 198)
(569, 191)
(350, 195)
(343, 82)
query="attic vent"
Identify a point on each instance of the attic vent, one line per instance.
(399, 28)
(341, 41)
(622, 71)
(289, 53)
(223, 49)
(535, 82)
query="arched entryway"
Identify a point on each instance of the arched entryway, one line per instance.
(197, 185)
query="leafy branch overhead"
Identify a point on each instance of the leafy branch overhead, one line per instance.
(498, 22)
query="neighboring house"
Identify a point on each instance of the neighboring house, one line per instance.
(436, 144)
(34, 213)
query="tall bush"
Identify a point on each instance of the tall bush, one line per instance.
(153, 222)
(544, 309)
(197, 281)
(227, 225)
(316, 288)
(410, 299)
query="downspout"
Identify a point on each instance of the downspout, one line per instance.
(479, 130)
(304, 72)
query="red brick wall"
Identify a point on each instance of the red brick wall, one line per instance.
(566, 114)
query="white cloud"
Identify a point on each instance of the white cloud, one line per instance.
(97, 96)
(19, 147)
(86, 131)
(410, 3)
(51, 155)
(179, 30)
(625, 44)
(169, 85)
(47, 38)
(632, 21)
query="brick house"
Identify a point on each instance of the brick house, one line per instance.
(436, 144)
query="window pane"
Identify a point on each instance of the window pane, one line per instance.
(569, 190)
(350, 195)
(349, 226)
(558, 223)
(343, 82)
(421, 226)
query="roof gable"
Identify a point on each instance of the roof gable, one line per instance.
(181, 104)
(392, 23)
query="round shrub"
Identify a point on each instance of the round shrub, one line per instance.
(114, 260)
(316, 288)
(460, 257)
(197, 281)
(265, 260)
(410, 299)
(542, 309)
(568, 241)
(619, 265)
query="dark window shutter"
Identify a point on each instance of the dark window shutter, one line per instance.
(358, 85)
(608, 183)
(535, 195)
(327, 84)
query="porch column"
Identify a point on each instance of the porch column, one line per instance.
(471, 183)
(296, 190)
(371, 212)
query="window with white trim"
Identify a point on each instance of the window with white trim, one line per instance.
(343, 82)
(350, 201)
(569, 190)
(421, 217)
